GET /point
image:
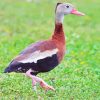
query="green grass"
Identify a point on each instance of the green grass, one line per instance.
(78, 76)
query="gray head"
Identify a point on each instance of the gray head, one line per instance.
(65, 9)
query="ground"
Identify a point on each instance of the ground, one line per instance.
(23, 22)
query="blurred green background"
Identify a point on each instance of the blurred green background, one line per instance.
(23, 22)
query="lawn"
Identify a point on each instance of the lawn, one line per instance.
(78, 76)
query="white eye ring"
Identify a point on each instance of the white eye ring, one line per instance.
(67, 6)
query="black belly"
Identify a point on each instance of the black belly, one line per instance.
(42, 65)
(48, 63)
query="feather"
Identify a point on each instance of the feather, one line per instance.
(37, 55)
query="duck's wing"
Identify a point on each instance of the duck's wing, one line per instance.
(35, 54)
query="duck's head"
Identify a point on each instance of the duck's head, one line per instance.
(65, 9)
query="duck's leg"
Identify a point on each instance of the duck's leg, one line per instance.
(28, 73)
(36, 79)
(34, 85)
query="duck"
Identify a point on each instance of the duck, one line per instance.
(44, 56)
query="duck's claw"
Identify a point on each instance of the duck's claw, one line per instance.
(46, 86)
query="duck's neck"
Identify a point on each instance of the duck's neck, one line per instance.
(58, 34)
(59, 17)
(58, 31)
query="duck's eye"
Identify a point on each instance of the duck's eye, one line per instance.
(67, 6)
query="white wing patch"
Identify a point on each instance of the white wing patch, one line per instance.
(37, 55)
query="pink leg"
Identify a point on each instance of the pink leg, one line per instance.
(33, 81)
(36, 79)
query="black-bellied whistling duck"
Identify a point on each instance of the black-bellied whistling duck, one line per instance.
(45, 55)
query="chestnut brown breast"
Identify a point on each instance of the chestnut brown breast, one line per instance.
(59, 39)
